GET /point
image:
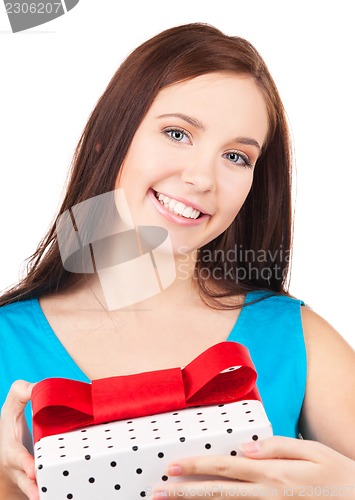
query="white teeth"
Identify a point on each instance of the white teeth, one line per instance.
(177, 207)
(187, 212)
(172, 204)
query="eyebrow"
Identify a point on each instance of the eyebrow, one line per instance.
(189, 119)
(249, 141)
(199, 125)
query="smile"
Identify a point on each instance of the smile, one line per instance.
(177, 207)
(177, 211)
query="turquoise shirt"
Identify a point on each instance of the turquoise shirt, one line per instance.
(271, 329)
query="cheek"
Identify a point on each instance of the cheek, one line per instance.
(134, 162)
(148, 165)
(235, 193)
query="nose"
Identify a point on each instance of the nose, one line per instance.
(200, 174)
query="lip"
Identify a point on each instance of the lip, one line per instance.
(186, 202)
(178, 219)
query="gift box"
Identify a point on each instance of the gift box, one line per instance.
(113, 438)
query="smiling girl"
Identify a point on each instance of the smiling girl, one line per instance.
(192, 129)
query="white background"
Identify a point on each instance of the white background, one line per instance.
(51, 77)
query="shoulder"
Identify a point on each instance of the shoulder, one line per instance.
(330, 385)
(267, 297)
(16, 313)
(277, 334)
(321, 338)
(276, 316)
(15, 307)
(274, 306)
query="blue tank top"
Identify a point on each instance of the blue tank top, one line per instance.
(271, 329)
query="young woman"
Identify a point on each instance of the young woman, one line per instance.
(192, 130)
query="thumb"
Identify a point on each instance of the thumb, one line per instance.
(17, 398)
(284, 447)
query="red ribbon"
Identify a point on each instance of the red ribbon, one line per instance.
(61, 405)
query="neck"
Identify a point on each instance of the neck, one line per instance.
(106, 291)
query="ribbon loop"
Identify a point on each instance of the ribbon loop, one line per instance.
(137, 395)
(207, 389)
(222, 374)
(60, 400)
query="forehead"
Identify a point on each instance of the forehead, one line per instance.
(225, 100)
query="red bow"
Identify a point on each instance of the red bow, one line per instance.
(61, 405)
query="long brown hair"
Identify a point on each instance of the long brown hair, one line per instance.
(262, 229)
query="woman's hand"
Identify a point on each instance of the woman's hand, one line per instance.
(17, 475)
(275, 468)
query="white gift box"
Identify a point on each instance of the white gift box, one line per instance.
(126, 459)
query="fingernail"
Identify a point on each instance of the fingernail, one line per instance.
(252, 447)
(174, 470)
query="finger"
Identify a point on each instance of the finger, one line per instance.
(17, 398)
(289, 448)
(27, 439)
(242, 468)
(21, 460)
(28, 465)
(27, 486)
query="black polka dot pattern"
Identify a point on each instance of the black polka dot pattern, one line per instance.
(120, 460)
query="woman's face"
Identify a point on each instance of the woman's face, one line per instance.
(190, 165)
